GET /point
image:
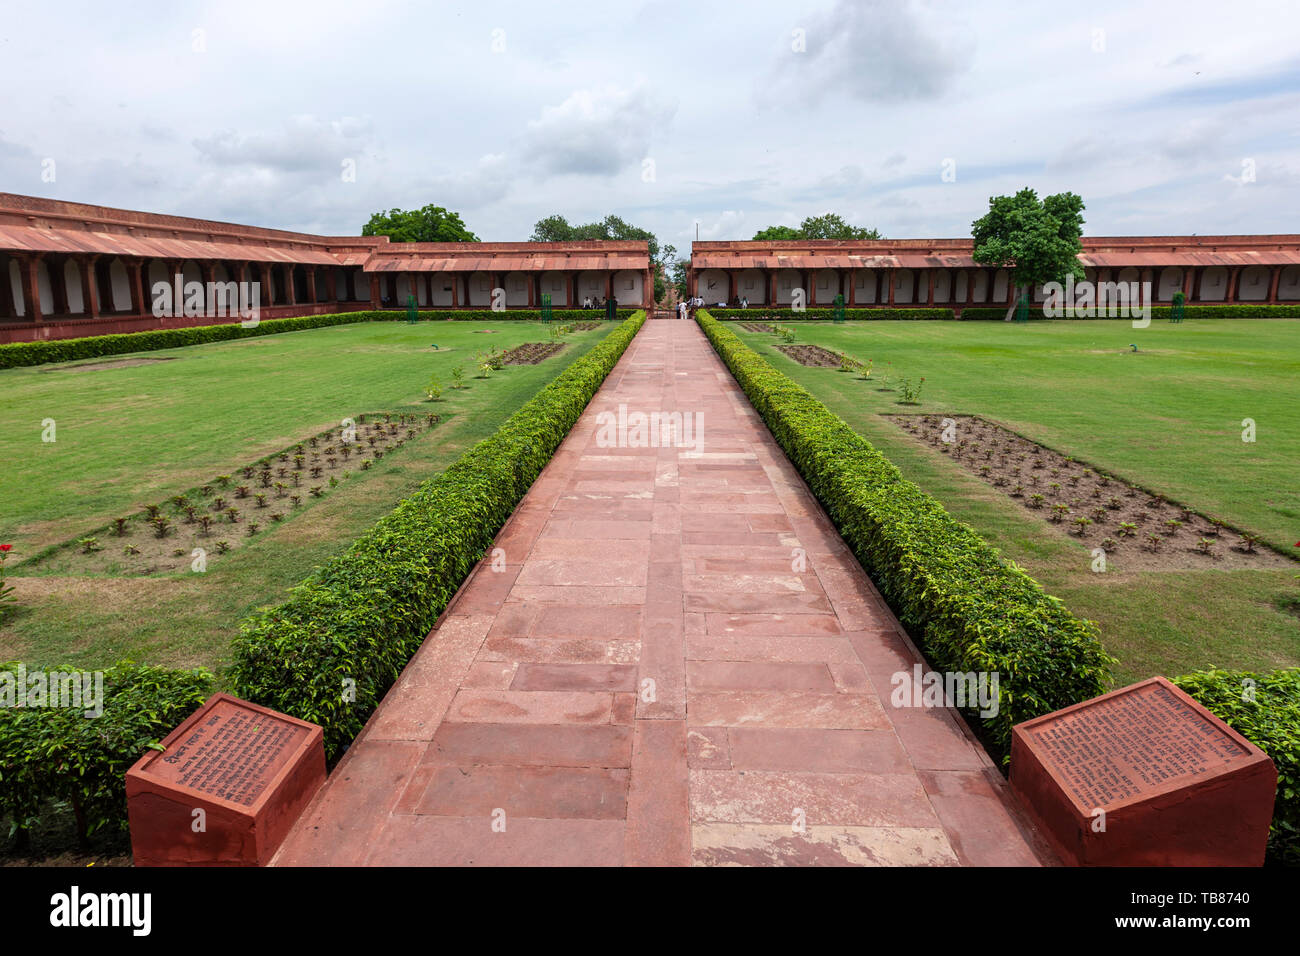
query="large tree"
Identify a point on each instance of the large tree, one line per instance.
(430, 224)
(828, 226)
(1037, 241)
(557, 228)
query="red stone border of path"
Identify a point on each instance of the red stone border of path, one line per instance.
(651, 677)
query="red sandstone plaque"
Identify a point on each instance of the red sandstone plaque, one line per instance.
(229, 783)
(1144, 776)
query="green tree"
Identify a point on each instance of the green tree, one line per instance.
(430, 224)
(558, 229)
(677, 273)
(828, 226)
(833, 226)
(778, 233)
(1037, 241)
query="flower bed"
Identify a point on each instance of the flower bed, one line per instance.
(227, 512)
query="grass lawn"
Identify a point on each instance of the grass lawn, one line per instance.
(1168, 417)
(129, 435)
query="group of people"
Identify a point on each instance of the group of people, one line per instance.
(591, 302)
(686, 308)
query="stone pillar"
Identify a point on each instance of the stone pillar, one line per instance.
(208, 274)
(771, 287)
(1273, 281)
(533, 300)
(58, 285)
(890, 280)
(1187, 283)
(929, 291)
(29, 275)
(970, 288)
(135, 276)
(648, 288)
(1197, 276)
(609, 284)
(290, 293)
(852, 297)
(455, 290)
(375, 303)
(266, 279)
(331, 291)
(89, 286)
(1233, 276)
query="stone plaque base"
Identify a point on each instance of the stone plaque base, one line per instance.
(1144, 776)
(226, 787)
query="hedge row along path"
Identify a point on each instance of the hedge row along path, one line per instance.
(528, 705)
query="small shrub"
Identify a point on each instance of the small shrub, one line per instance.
(54, 757)
(1269, 717)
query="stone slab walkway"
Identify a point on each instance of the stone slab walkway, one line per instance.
(651, 675)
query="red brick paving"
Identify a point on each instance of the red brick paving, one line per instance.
(656, 679)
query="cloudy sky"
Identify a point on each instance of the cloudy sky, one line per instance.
(1176, 117)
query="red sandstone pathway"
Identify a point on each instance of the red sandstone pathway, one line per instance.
(531, 704)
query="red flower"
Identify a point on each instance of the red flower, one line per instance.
(6, 547)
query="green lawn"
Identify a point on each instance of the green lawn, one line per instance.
(1168, 417)
(132, 435)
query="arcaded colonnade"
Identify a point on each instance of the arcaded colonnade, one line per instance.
(68, 269)
(941, 272)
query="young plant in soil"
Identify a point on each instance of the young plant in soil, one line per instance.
(223, 547)
(119, 527)
(1126, 529)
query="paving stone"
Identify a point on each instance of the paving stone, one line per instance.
(658, 677)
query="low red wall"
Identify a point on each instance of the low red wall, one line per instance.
(19, 331)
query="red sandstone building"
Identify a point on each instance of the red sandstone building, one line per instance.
(68, 269)
(941, 272)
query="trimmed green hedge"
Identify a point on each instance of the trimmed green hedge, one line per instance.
(23, 354)
(1269, 717)
(759, 313)
(59, 754)
(1157, 312)
(330, 652)
(968, 608)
